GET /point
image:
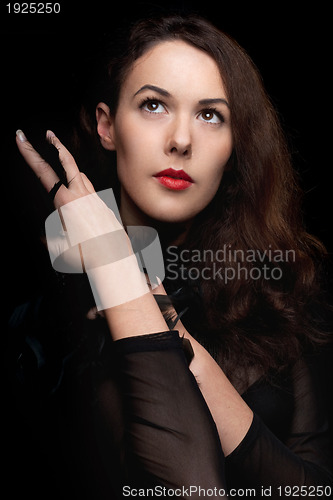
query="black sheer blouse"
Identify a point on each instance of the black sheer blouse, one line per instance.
(132, 421)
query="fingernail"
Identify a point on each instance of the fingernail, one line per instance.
(21, 135)
(50, 135)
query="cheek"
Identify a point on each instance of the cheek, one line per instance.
(222, 148)
(216, 156)
(135, 143)
(126, 140)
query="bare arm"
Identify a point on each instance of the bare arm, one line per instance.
(231, 414)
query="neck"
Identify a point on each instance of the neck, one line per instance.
(170, 233)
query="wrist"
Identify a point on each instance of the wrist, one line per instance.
(118, 282)
(140, 316)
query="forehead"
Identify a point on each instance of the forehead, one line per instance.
(179, 68)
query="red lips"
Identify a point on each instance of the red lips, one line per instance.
(174, 174)
(176, 180)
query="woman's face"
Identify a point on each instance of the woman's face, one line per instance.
(171, 132)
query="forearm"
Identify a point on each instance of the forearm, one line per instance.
(140, 316)
(122, 292)
(231, 414)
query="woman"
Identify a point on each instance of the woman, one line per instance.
(218, 393)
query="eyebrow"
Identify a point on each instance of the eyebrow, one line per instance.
(159, 90)
(165, 93)
(207, 102)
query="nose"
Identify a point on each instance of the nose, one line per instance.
(179, 141)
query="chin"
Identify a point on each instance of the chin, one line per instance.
(172, 216)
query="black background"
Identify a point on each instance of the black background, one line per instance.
(40, 56)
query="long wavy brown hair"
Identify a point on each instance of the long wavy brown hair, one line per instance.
(262, 321)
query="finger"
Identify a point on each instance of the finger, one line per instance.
(40, 167)
(73, 175)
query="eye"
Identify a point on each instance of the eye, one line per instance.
(152, 106)
(211, 116)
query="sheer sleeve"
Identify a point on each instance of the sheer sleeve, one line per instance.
(171, 437)
(301, 460)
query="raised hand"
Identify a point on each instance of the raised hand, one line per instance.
(84, 234)
(78, 183)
